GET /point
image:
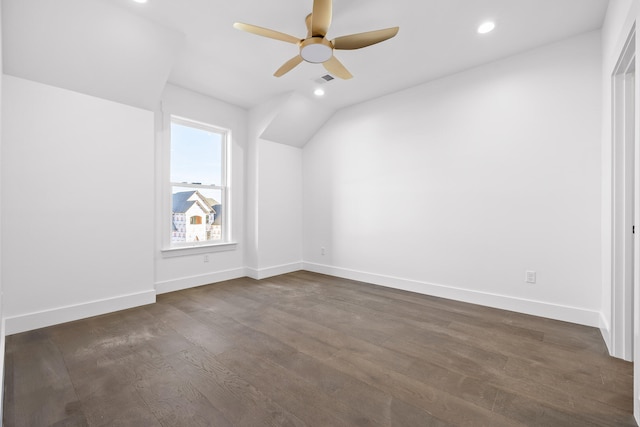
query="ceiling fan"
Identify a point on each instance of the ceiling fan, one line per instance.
(315, 48)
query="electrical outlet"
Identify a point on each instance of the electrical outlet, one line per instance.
(322, 250)
(206, 258)
(530, 276)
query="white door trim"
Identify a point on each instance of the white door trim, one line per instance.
(624, 191)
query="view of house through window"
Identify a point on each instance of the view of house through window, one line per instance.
(198, 183)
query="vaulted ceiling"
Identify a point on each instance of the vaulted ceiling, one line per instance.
(127, 52)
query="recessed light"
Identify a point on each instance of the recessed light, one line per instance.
(486, 27)
(140, 1)
(319, 92)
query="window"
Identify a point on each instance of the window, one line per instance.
(198, 168)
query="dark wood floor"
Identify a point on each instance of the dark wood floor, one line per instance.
(310, 350)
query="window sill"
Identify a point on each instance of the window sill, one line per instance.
(197, 250)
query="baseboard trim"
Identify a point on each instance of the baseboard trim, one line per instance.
(41, 319)
(30, 321)
(264, 273)
(199, 280)
(605, 330)
(536, 308)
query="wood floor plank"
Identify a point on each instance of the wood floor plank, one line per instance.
(328, 380)
(436, 401)
(469, 388)
(305, 349)
(294, 394)
(174, 399)
(132, 410)
(195, 332)
(239, 401)
(42, 393)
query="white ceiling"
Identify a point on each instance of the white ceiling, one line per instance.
(104, 47)
(91, 47)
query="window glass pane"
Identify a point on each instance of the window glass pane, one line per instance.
(196, 155)
(196, 215)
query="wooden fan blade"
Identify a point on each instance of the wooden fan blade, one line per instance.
(336, 68)
(357, 41)
(265, 32)
(288, 66)
(320, 18)
(307, 22)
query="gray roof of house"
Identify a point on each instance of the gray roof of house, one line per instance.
(180, 203)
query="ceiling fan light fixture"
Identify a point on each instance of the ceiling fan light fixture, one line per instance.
(316, 50)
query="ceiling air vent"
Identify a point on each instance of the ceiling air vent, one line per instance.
(324, 79)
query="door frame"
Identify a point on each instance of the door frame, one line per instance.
(624, 201)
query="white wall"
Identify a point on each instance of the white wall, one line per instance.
(456, 187)
(190, 269)
(280, 209)
(274, 202)
(77, 203)
(259, 118)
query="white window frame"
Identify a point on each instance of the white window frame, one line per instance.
(170, 248)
